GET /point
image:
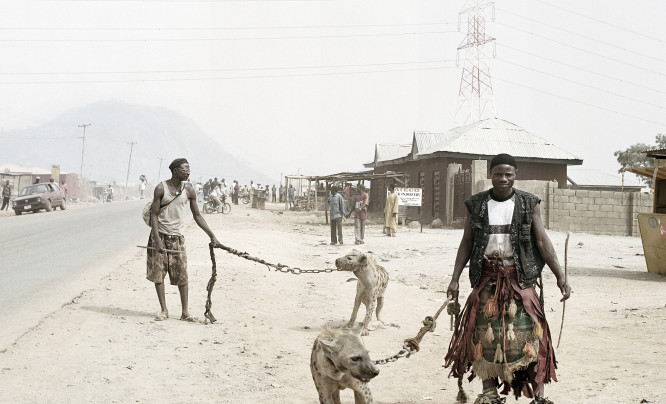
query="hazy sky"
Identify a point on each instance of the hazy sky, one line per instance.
(311, 86)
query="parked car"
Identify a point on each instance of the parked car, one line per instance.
(36, 197)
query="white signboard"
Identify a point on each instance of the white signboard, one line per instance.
(409, 196)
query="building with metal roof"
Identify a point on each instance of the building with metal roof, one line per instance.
(599, 180)
(434, 158)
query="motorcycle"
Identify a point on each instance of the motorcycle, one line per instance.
(244, 197)
(209, 205)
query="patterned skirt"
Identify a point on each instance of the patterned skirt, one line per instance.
(503, 333)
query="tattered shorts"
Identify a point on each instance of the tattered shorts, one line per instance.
(175, 264)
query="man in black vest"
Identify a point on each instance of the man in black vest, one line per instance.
(503, 333)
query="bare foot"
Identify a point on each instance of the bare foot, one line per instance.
(188, 318)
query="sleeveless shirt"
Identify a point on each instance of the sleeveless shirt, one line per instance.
(500, 215)
(170, 219)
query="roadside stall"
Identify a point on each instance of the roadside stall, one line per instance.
(316, 198)
(653, 225)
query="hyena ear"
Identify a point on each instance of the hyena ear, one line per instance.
(329, 347)
(364, 259)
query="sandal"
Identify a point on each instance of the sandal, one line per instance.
(541, 400)
(189, 319)
(161, 317)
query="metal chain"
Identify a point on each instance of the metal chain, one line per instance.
(277, 267)
(409, 347)
(404, 352)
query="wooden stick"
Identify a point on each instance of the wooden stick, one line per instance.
(564, 303)
(153, 248)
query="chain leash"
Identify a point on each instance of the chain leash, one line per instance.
(277, 267)
(410, 345)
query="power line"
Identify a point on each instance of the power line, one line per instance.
(581, 102)
(603, 22)
(227, 78)
(233, 69)
(277, 27)
(584, 36)
(582, 84)
(583, 69)
(581, 49)
(262, 38)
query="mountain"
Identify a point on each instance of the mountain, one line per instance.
(158, 132)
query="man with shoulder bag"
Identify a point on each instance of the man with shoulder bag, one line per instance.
(166, 244)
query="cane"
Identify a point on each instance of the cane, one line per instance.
(566, 280)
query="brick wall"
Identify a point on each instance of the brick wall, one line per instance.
(585, 211)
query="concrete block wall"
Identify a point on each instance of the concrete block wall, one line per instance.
(598, 212)
(585, 211)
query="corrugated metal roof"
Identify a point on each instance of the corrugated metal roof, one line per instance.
(589, 176)
(493, 136)
(426, 140)
(384, 152)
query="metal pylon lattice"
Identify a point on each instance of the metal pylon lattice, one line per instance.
(475, 96)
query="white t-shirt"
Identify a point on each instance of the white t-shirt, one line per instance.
(500, 215)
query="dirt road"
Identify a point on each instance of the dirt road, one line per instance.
(106, 347)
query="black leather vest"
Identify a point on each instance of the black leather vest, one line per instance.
(528, 260)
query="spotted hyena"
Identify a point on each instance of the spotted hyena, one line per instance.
(372, 281)
(339, 360)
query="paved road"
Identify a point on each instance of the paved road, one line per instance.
(48, 258)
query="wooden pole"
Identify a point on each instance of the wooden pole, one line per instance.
(566, 281)
(309, 188)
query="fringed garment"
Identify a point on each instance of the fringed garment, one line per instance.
(517, 348)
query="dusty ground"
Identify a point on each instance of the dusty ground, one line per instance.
(106, 347)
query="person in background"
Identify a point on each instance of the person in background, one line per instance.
(273, 194)
(361, 202)
(63, 186)
(6, 194)
(198, 188)
(347, 196)
(215, 195)
(253, 186)
(234, 195)
(142, 186)
(391, 212)
(206, 187)
(337, 211)
(292, 195)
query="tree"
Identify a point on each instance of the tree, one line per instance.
(634, 156)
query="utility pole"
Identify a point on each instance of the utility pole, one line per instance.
(83, 147)
(129, 164)
(159, 172)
